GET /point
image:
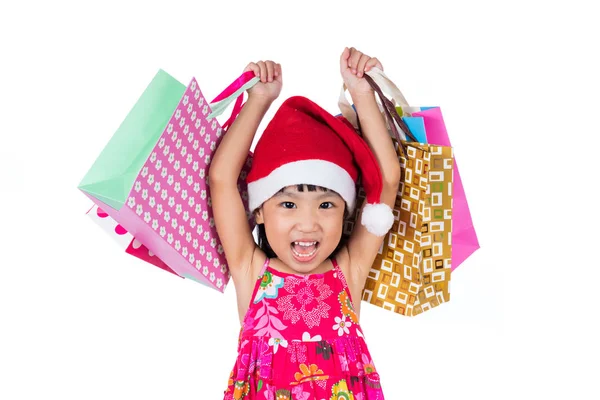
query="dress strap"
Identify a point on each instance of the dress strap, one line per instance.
(341, 276)
(264, 267)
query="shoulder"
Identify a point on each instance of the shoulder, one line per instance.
(244, 279)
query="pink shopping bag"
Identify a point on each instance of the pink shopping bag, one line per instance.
(125, 239)
(464, 237)
(168, 206)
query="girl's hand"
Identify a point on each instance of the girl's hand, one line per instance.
(353, 65)
(270, 83)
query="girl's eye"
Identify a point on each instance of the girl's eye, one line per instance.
(327, 205)
(288, 204)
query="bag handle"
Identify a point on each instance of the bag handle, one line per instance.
(235, 91)
(346, 109)
(387, 86)
(389, 110)
(234, 86)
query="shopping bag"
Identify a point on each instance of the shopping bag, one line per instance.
(411, 272)
(464, 236)
(152, 177)
(124, 239)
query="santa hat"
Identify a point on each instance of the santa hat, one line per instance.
(304, 144)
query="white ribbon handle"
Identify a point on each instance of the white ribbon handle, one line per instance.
(346, 109)
(387, 87)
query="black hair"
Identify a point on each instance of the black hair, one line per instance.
(263, 242)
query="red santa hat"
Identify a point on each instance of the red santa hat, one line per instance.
(304, 144)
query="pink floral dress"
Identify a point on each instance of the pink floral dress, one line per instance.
(301, 340)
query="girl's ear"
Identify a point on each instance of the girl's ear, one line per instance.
(258, 216)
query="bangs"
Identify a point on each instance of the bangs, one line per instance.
(308, 188)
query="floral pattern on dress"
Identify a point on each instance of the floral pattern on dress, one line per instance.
(347, 307)
(301, 340)
(340, 391)
(269, 286)
(307, 301)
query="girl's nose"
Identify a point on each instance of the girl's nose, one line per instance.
(307, 221)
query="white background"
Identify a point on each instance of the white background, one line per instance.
(518, 84)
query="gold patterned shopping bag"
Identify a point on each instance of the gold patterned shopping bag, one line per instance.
(411, 272)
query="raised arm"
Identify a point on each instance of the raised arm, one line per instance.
(230, 217)
(363, 245)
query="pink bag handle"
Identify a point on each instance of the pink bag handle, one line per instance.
(235, 85)
(230, 90)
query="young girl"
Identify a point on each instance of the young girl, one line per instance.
(299, 290)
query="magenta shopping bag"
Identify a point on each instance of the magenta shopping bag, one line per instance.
(427, 124)
(464, 237)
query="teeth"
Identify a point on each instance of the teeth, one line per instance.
(304, 255)
(305, 244)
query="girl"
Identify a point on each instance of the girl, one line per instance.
(298, 291)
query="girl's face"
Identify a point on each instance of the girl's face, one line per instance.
(303, 227)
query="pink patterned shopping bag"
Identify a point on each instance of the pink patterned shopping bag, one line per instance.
(125, 239)
(168, 207)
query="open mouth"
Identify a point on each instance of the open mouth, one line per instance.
(304, 251)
